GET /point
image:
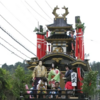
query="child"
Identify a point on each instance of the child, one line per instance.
(32, 92)
(42, 85)
(53, 92)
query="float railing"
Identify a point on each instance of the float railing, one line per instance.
(60, 94)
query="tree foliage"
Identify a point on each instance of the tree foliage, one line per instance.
(89, 83)
(20, 79)
(12, 68)
(95, 66)
(14, 82)
(5, 83)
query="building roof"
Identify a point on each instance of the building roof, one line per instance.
(59, 37)
(60, 23)
(56, 36)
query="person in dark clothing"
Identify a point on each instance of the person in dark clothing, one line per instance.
(68, 71)
(67, 76)
(58, 90)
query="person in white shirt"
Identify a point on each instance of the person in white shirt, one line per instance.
(42, 85)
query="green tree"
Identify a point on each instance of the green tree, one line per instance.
(12, 68)
(20, 79)
(95, 66)
(89, 83)
(5, 83)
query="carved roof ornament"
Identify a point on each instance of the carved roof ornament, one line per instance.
(57, 15)
(54, 12)
(66, 12)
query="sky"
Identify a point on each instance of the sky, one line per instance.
(25, 15)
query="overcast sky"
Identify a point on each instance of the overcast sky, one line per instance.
(25, 19)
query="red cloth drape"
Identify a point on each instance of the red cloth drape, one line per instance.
(79, 46)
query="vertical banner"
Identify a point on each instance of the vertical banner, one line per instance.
(40, 45)
(79, 53)
(78, 46)
(74, 78)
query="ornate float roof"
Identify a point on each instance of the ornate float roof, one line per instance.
(59, 37)
(61, 59)
(59, 23)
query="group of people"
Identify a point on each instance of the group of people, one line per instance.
(42, 81)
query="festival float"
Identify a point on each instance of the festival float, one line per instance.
(64, 48)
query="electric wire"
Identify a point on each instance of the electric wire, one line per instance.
(29, 11)
(14, 47)
(18, 31)
(11, 51)
(48, 5)
(35, 11)
(12, 14)
(42, 9)
(17, 41)
(10, 11)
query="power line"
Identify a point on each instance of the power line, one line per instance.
(42, 10)
(18, 31)
(35, 11)
(14, 47)
(48, 5)
(17, 41)
(92, 40)
(28, 10)
(11, 51)
(9, 11)
(12, 14)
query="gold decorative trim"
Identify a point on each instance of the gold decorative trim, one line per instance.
(29, 62)
(31, 67)
(66, 45)
(34, 63)
(57, 59)
(78, 63)
(56, 43)
(60, 55)
(60, 27)
(60, 32)
(60, 39)
(79, 60)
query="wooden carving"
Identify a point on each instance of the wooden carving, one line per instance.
(66, 12)
(57, 59)
(54, 12)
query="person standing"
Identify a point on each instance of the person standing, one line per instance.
(53, 76)
(67, 76)
(39, 72)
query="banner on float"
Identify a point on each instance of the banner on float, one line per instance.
(74, 78)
